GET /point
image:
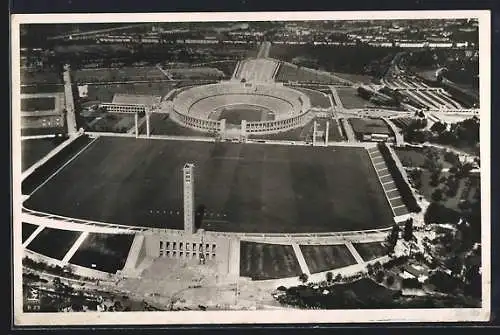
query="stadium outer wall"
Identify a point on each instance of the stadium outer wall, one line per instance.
(179, 109)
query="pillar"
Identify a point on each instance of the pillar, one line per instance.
(136, 120)
(222, 127)
(314, 132)
(148, 130)
(327, 131)
(243, 128)
(188, 198)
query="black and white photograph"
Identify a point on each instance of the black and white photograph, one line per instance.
(251, 167)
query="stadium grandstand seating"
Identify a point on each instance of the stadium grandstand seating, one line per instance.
(258, 70)
(201, 100)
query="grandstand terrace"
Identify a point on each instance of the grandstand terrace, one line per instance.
(257, 70)
(200, 107)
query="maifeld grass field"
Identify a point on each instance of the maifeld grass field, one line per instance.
(242, 187)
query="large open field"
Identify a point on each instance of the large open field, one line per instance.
(107, 252)
(54, 242)
(371, 250)
(40, 77)
(237, 113)
(118, 74)
(34, 150)
(350, 98)
(321, 258)
(318, 99)
(261, 261)
(243, 187)
(289, 72)
(105, 92)
(27, 230)
(38, 104)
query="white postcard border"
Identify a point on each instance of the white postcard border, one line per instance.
(268, 316)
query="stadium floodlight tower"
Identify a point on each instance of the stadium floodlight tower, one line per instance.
(188, 178)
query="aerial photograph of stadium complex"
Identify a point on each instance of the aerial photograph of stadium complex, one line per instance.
(180, 166)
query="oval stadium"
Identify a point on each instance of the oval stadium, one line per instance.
(252, 107)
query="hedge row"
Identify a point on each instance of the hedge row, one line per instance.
(403, 187)
(55, 162)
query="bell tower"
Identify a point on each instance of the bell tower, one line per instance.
(188, 179)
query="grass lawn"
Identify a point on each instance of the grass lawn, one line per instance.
(235, 114)
(415, 157)
(38, 104)
(34, 150)
(118, 74)
(321, 258)
(107, 251)
(246, 187)
(112, 122)
(288, 72)
(355, 78)
(318, 99)
(161, 124)
(40, 77)
(54, 243)
(105, 92)
(464, 192)
(350, 98)
(27, 230)
(371, 250)
(261, 261)
(369, 126)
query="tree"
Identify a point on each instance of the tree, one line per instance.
(438, 127)
(329, 276)
(379, 277)
(303, 278)
(436, 174)
(437, 195)
(392, 239)
(408, 230)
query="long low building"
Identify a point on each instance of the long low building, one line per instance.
(370, 129)
(131, 103)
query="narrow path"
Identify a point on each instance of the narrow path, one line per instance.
(354, 252)
(70, 103)
(75, 247)
(300, 257)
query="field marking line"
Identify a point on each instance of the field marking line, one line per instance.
(300, 258)
(75, 247)
(395, 198)
(63, 166)
(388, 182)
(398, 206)
(378, 163)
(33, 235)
(354, 253)
(393, 189)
